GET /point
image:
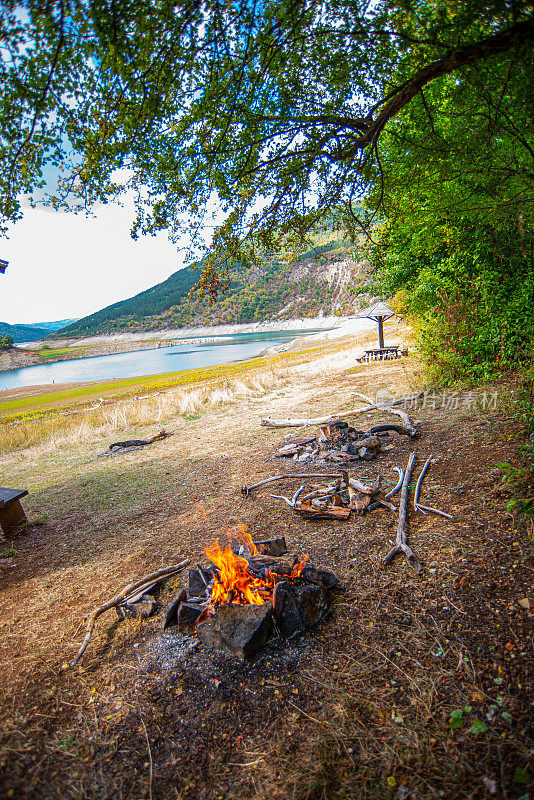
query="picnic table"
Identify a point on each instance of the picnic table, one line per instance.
(12, 516)
(381, 354)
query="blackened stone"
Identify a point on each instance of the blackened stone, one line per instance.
(142, 609)
(312, 603)
(238, 630)
(187, 616)
(197, 586)
(322, 576)
(286, 612)
(272, 547)
(170, 614)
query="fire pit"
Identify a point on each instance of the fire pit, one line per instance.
(250, 593)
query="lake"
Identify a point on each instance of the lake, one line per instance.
(149, 362)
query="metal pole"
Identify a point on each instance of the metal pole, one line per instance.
(381, 332)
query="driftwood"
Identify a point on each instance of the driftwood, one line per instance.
(409, 428)
(381, 503)
(118, 598)
(416, 504)
(399, 484)
(140, 442)
(287, 476)
(401, 545)
(358, 502)
(298, 423)
(306, 510)
(361, 487)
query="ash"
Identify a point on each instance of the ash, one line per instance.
(172, 654)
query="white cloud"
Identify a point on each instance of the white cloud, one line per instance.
(64, 265)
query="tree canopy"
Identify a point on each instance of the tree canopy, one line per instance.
(277, 112)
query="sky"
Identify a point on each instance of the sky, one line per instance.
(63, 266)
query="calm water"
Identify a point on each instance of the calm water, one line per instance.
(147, 362)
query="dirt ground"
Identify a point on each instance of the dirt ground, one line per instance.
(419, 686)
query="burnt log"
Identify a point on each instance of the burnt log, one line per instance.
(312, 603)
(298, 607)
(318, 575)
(237, 630)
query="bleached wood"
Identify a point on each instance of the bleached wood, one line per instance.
(300, 422)
(93, 616)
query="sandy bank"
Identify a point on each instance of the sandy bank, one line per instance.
(200, 333)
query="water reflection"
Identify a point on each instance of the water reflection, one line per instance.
(148, 362)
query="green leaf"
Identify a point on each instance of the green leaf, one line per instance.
(456, 720)
(478, 726)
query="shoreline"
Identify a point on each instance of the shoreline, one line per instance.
(29, 354)
(200, 333)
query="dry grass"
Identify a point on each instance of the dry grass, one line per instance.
(360, 709)
(73, 428)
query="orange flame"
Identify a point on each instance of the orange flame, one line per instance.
(234, 582)
(242, 535)
(234, 577)
(299, 566)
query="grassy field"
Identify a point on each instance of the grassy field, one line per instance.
(417, 688)
(28, 420)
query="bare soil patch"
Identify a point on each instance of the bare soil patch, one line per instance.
(359, 708)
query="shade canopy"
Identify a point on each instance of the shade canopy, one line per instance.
(378, 311)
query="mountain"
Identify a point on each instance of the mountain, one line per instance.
(53, 326)
(23, 333)
(32, 332)
(322, 281)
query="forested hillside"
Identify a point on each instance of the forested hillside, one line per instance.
(324, 280)
(23, 333)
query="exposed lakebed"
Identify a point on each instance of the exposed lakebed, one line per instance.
(186, 355)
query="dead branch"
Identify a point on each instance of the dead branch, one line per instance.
(381, 503)
(431, 510)
(297, 494)
(285, 499)
(416, 504)
(420, 482)
(410, 428)
(288, 476)
(401, 545)
(399, 484)
(93, 616)
(298, 423)
(322, 494)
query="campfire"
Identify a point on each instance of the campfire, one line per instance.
(251, 592)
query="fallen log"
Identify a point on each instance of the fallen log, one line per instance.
(303, 422)
(131, 587)
(401, 545)
(139, 442)
(308, 511)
